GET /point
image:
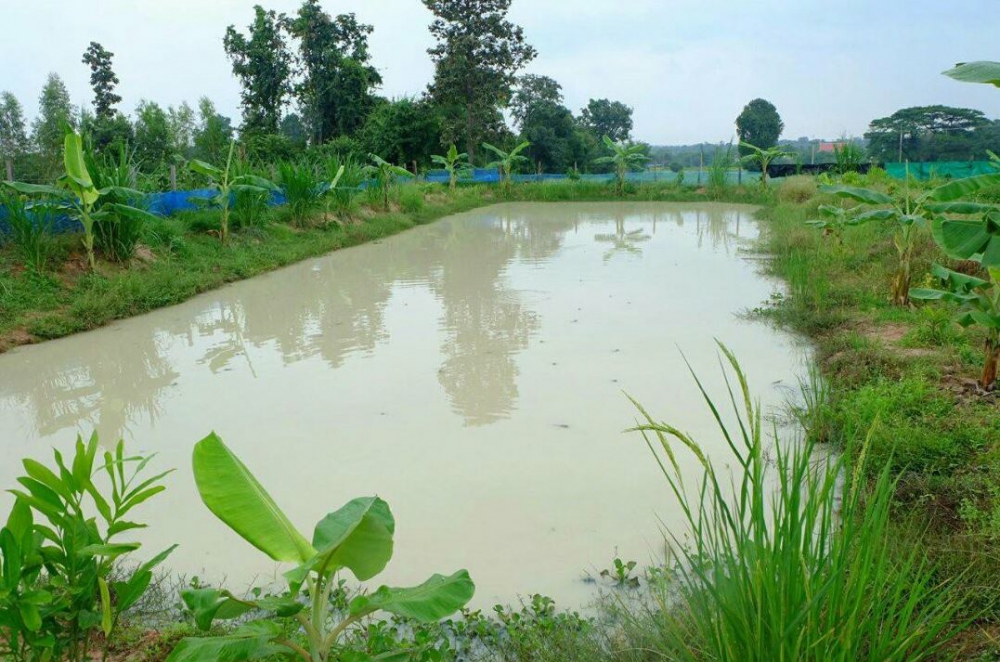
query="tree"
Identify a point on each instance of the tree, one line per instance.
(182, 127)
(55, 115)
(555, 141)
(762, 158)
(108, 134)
(453, 163)
(506, 162)
(337, 76)
(213, 134)
(759, 124)
(625, 157)
(403, 131)
(603, 117)
(263, 64)
(532, 90)
(293, 128)
(13, 129)
(103, 80)
(931, 133)
(476, 59)
(153, 138)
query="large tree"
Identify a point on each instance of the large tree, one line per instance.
(338, 79)
(213, 133)
(604, 117)
(55, 114)
(13, 128)
(931, 133)
(403, 131)
(556, 143)
(182, 127)
(154, 140)
(476, 59)
(263, 64)
(532, 90)
(759, 124)
(103, 80)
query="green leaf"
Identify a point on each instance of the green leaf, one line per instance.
(864, 195)
(206, 169)
(357, 536)
(105, 606)
(30, 616)
(253, 641)
(961, 188)
(209, 604)
(128, 593)
(35, 189)
(76, 169)
(233, 494)
(433, 600)
(984, 72)
(20, 520)
(44, 475)
(924, 294)
(111, 551)
(127, 211)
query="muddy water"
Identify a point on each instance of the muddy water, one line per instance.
(470, 372)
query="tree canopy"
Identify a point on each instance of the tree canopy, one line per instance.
(531, 90)
(263, 65)
(103, 80)
(933, 133)
(13, 128)
(476, 59)
(760, 125)
(604, 117)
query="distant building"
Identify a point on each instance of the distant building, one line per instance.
(831, 147)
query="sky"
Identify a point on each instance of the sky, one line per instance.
(687, 68)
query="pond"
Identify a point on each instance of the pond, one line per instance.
(471, 372)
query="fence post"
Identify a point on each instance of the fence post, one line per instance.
(173, 177)
(10, 169)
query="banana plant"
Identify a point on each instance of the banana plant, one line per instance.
(978, 302)
(908, 212)
(625, 157)
(507, 161)
(832, 221)
(330, 190)
(455, 164)
(224, 182)
(984, 72)
(79, 197)
(357, 537)
(385, 175)
(763, 158)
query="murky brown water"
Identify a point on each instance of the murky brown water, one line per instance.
(470, 372)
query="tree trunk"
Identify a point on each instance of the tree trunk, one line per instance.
(988, 381)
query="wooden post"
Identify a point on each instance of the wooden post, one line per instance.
(10, 169)
(173, 177)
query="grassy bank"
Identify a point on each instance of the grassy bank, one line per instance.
(181, 256)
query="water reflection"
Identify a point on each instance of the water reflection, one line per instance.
(335, 308)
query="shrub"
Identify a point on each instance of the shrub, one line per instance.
(797, 189)
(28, 228)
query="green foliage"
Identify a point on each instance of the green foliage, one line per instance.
(55, 114)
(455, 164)
(346, 176)
(30, 226)
(154, 140)
(804, 550)
(13, 131)
(116, 234)
(102, 79)
(759, 124)
(60, 582)
(931, 133)
(761, 158)
(625, 157)
(357, 537)
(718, 169)
(226, 182)
(251, 205)
(384, 175)
(976, 72)
(532, 90)
(402, 131)
(263, 65)
(303, 189)
(849, 156)
(557, 142)
(472, 83)
(338, 77)
(213, 134)
(506, 162)
(603, 117)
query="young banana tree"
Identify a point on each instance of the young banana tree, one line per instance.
(357, 537)
(78, 196)
(454, 164)
(385, 175)
(224, 182)
(832, 221)
(625, 157)
(908, 212)
(507, 161)
(763, 158)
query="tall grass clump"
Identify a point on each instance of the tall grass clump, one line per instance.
(302, 187)
(343, 196)
(116, 235)
(251, 206)
(28, 227)
(718, 170)
(788, 559)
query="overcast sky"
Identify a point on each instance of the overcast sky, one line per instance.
(687, 67)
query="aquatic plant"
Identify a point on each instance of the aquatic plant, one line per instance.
(799, 565)
(357, 537)
(455, 164)
(625, 157)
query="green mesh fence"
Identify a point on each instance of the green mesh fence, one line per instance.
(941, 169)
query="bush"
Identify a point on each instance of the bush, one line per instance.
(797, 189)
(411, 199)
